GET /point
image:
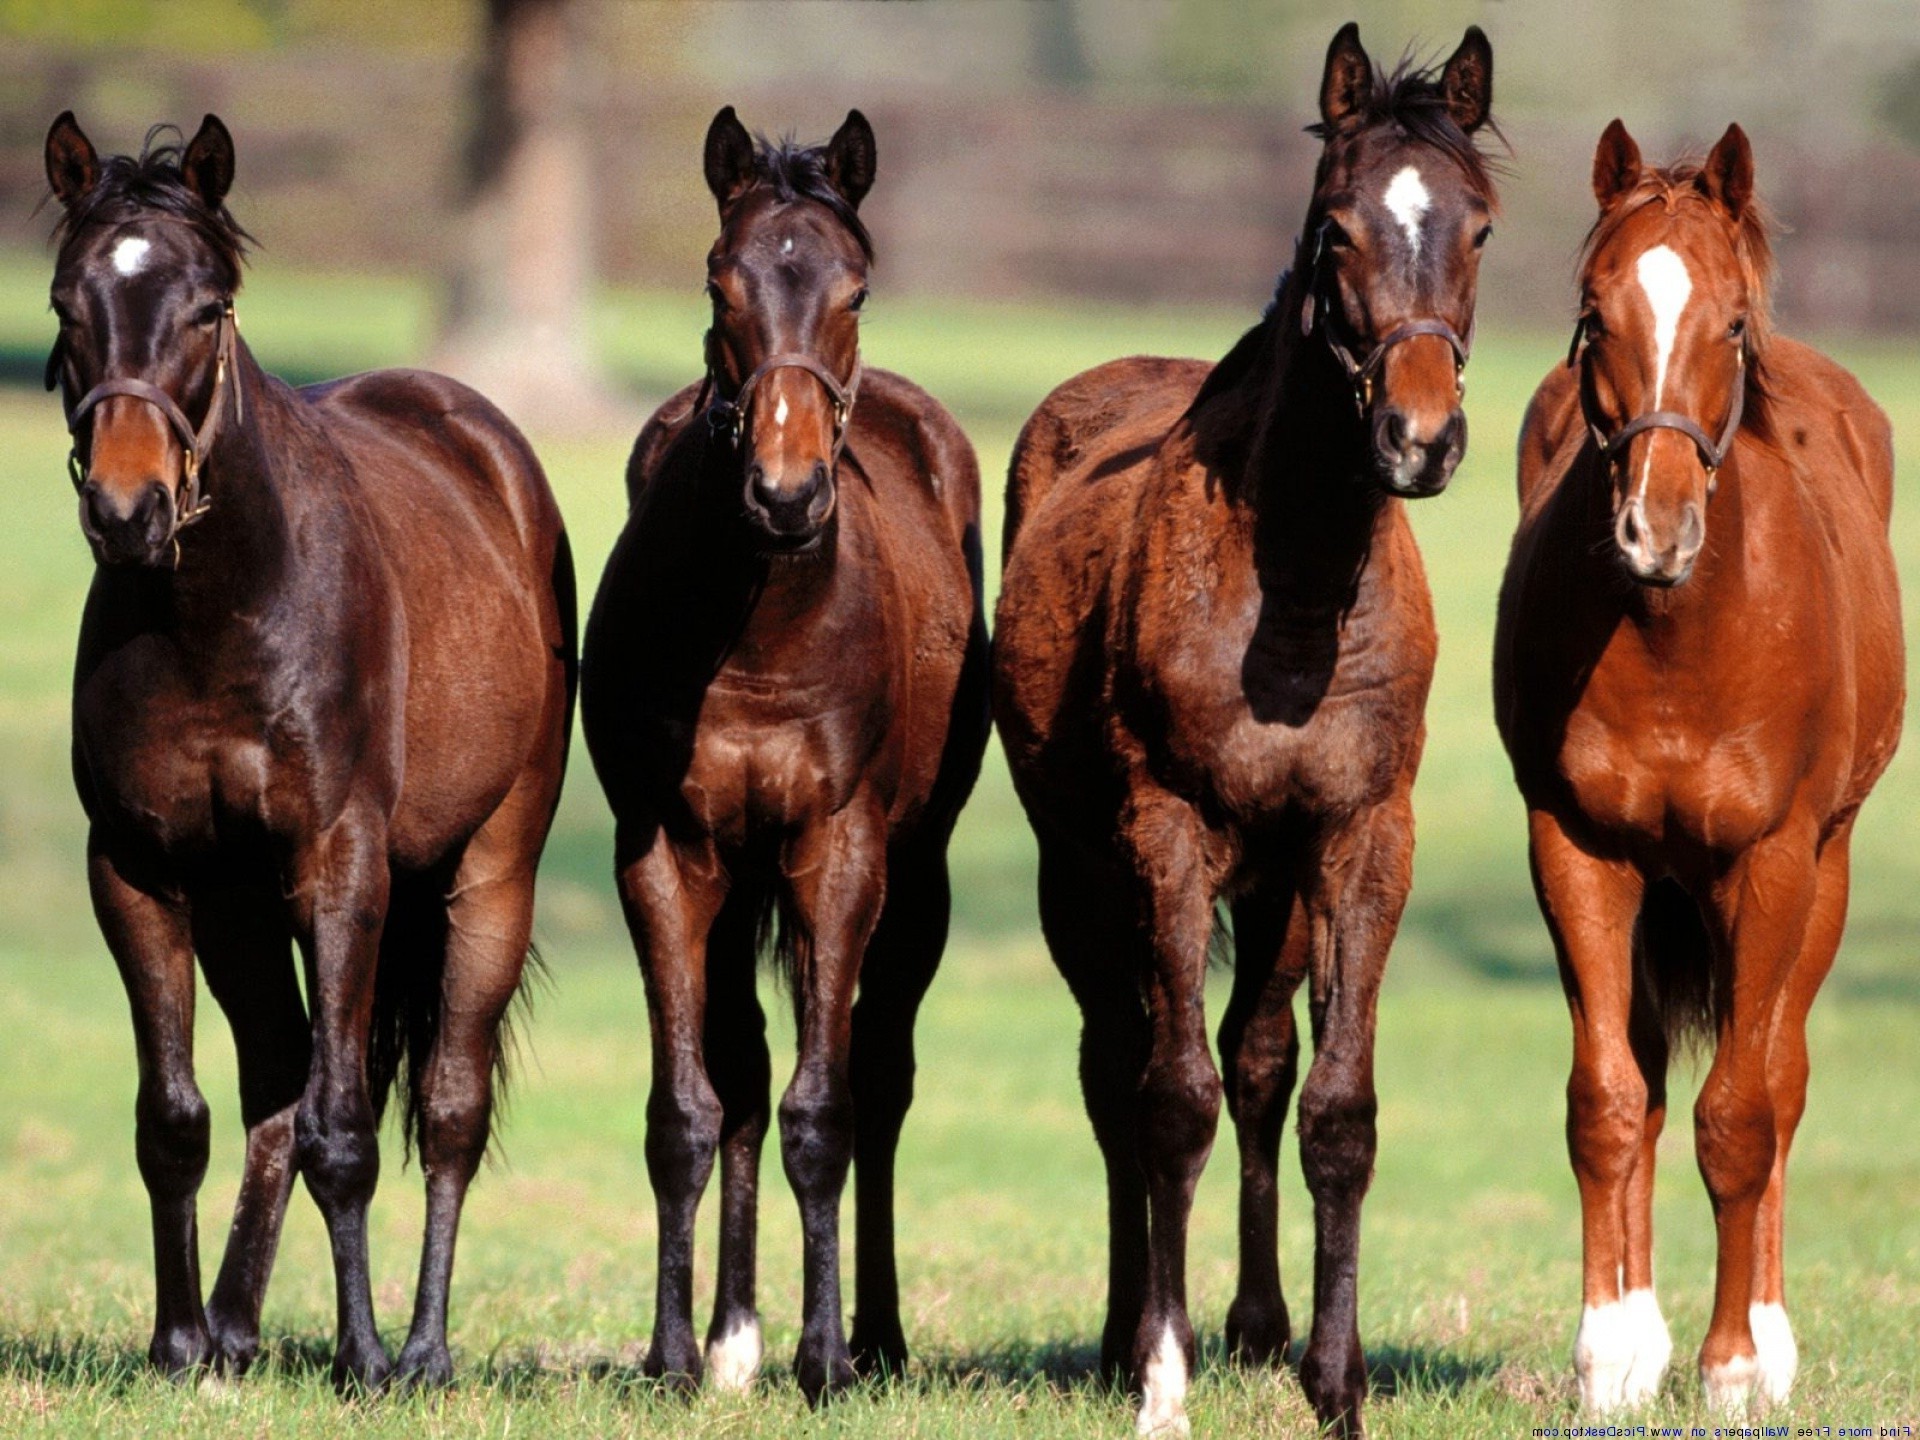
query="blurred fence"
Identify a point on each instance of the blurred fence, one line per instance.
(348, 159)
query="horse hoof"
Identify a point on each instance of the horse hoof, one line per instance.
(1258, 1334)
(424, 1366)
(1337, 1391)
(180, 1351)
(360, 1369)
(823, 1377)
(676, 1366)
(733, 1358)
(879, 1353)
(235, 1345)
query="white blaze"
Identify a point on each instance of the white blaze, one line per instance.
(1407, 199)
(1663, 276)
(780, 412)
(130, 254)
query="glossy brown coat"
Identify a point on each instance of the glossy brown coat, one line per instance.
(785, 699)
(333, 713)
(1697, 698)
(1212, 655)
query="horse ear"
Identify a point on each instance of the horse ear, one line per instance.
(1467, 81)
(72, 165)
(207, 165)
(1348, 80)
(1727, 177)
(850, 158)
(729, 157)
(1616, 164)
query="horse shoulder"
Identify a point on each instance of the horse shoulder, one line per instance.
(933, 453)
(1823, 415)
(656, 440)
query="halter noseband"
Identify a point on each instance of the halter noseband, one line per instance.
(729, 417)
(1713, 453)
(190, 505)
(1361, 373)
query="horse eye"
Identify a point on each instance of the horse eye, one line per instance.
(1486, 234)
(713, 294)
(210, 313)
(859, 300)
(1737, 329)
(1334, 235)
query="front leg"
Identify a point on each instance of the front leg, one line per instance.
(148, 933)
(340, 903)
(836, 869)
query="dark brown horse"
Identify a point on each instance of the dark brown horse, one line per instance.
(785, 698)
(1214, 647)
(1699, 676)
(322, 698)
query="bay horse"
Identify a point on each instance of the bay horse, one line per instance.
(1213, 648)
(1698, 675)
(322, 698)
(785, 697)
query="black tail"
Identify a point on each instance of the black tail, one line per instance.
(1674, 966)
(406, 1005)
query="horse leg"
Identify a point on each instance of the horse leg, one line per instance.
(1084, 915)
(1776, 1353)
(340, 889)
(737, 1062)
(1652, 1342)
(1179, 1103)
(1353, 899)
(901, 960)
(1590, 905)
(149, 936)
(1764, 903)
(489, 932)
(671, 899)
(245, 949)
(836, 868)
(1260, 1056)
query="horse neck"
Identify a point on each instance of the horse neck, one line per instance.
(233, 559)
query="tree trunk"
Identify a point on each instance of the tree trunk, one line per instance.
(516, 318)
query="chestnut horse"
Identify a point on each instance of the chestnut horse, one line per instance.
(1698, 676)
(785, 699)
(322, 698)
(1214, 645)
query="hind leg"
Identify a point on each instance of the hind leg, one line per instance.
(1260, 1055)
(1776, 1354)
(737, 1063)
(901, 960)
(245, 950)
(1083, 914)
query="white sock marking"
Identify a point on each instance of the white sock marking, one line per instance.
(1408, 199)
(1163, 1391)
(734, 1360)
(1652, 1347)
(130, 254)
(1602, 1356)
(1729, 1386)
(1777, 1354)
(780, 412)
(1664, 279)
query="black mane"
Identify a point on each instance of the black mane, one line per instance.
(130, 186)
(1411, 97)
(799, 172)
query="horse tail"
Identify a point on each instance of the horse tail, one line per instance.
(406, 1000)
(1674, 966)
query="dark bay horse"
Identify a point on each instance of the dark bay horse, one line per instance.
(1698, 674)
(322, 699)
(1214, 645)
(785, 697)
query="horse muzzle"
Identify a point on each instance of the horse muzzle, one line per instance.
(1410, 465)
(1659, 550)
(789, 517)
(132, 526)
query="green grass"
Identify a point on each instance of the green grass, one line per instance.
(1470, 1266)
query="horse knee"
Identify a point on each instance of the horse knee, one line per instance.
(1606, 1115)
(1337, 1137)
(816, 1138)
(1734, 1138)
(339, 1154)
(1179, 1112)
(683, 1133)
(171, 1137)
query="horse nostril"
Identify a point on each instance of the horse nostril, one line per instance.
(1692, 530)
(1394, 426)
(1629, 528)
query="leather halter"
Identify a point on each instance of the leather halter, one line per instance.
(1361, 373)
(729, 417)
(190, 504)
(1713, 453)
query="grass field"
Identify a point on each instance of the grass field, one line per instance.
(1470, 1266)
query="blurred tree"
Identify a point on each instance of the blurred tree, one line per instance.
(516, 320)
(1900, 101)
(1059, 49)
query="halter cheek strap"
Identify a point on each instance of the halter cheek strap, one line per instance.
(194, 444)
(1361, 373)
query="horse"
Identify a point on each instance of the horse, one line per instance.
(1694, 712)
(785, 698)
(1212, 653)
(322, 698)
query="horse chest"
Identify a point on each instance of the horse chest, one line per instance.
(759, 763)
